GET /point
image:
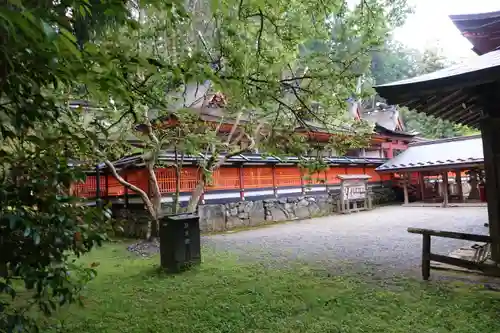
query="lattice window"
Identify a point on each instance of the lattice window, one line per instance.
(256, 177)
(288, 176)
(225, 178)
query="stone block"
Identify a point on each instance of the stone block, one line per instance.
(302, 212)
(314, 209)
(243, 216)
(234, 222)
(212, 218)
(303, 203)
(278, 214)
(257, 214)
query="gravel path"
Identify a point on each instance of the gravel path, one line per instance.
(367, 241)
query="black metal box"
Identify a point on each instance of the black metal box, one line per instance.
(179, 242)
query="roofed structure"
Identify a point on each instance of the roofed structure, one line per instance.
(482, 30)
(449, 93)
(461, 152)
(469, 94)
(249, 159)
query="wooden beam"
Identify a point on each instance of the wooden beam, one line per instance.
(458, 180)
(426, 256)
(490, 129)
(452, 234)
(490, 269)
(443, 103)
(405, 188)
(421, 180)
(445, 189)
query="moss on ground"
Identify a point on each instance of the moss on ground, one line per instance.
(224, 295)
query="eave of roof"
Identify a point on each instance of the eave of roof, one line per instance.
(460, 152)
(448, 93)
(482, 30)
(252, 159)
(381, 130)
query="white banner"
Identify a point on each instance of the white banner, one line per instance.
(354, 192)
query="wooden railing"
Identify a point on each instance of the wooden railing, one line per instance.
(428, 256)
(225, 178)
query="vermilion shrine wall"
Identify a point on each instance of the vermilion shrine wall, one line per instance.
(224, 179)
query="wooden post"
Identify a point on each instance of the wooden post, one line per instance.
(405, 187)
(341, 200)
(98, 186)
(242, 189)
(302, 182)
(421, 180)
(490, 130)
(275, 187)
(458, 180)
(326, 182)
(426, 256)
(445, 189)
(106, 185)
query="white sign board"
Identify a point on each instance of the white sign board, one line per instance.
(354, 192)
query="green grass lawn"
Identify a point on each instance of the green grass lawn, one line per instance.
(222, 295)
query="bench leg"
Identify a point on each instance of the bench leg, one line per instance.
(426, 257)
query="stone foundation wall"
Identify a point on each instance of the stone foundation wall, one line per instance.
(223, 217)
(235, 215)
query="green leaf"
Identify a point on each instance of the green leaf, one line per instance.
(36, 238)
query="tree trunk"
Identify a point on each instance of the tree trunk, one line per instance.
(196, 195)
(156, 198)
(148, 203)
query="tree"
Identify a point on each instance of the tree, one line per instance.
(46, 56)
(258, 55)
(396, 62)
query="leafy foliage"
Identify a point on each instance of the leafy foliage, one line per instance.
(43, 60)
(275, 62)
(396, 62)
(135, 62)
(42, 228)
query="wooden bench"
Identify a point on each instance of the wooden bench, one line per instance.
(428, 256)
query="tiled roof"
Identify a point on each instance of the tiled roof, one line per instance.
(455, 152)
(250, 159)
(482, 30)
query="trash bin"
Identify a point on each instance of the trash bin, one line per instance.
(179, 242)
(482, 192)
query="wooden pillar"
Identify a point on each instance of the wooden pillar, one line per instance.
(98, 186)
(242, 189)
(426, 257)
(490, 130)
(421, 180)
(458, 180)
(275, 186)
(445, 189)
(106, 185)
(326, 182)
(302, 185)
(405, 187)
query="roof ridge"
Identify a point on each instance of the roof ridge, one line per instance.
(474, 16)
(457, 138)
